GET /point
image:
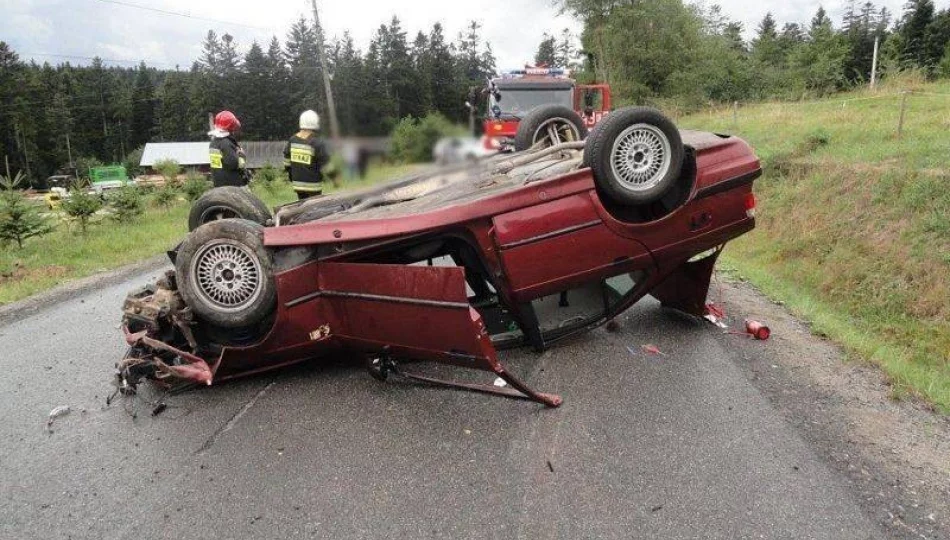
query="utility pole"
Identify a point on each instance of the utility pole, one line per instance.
(331, 106)
(874, 63)
(69, 150)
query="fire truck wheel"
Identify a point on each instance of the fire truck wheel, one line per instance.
(636, 155)
(226, 275)
(228, 202)
(548, 125)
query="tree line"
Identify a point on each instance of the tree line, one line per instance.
(54, 115)
(49, 112)
(650, 49)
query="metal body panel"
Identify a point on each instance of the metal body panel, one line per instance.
(529, 240)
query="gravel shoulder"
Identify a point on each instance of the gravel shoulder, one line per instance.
(895, 454)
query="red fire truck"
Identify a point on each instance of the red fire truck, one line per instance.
(551, 107)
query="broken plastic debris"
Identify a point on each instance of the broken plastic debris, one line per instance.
(757, 330)
(62, 410)
(652, 349)
(500, 383)
(716, 315)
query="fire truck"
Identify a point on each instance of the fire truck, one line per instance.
(541, 106)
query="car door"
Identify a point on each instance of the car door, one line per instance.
(553, 246)
(418, 312)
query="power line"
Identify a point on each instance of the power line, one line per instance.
(180, 14)
(113, 60)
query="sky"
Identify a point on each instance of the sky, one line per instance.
(126, 35)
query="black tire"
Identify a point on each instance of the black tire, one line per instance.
(530, 126)
(226, 275)
(228, 202)
(653, 160)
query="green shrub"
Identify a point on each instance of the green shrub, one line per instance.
(268, 179)
(127, 203)
(19, 220)
(83, 164)
(165, 196)
(169, 169)
(81, 204)
(132, 160)
(413, 140)
(195, 186)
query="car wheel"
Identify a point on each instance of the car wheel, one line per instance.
(636, 155)
(228, 202)
(226, 275)
(549, 125)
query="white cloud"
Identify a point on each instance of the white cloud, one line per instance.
(514, 28)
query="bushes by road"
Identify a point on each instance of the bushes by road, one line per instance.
(67, 253)
(413, 139)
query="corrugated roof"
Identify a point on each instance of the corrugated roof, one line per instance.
(187, 154)
(264, 153)
(193, 154)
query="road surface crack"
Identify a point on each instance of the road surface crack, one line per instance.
(234, 419)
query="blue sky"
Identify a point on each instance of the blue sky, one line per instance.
(109, 30)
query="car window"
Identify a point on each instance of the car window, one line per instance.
(520, 102)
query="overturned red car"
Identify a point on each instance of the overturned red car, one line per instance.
(448, 265)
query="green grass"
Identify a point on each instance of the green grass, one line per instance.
(67, 254)
(854, 235)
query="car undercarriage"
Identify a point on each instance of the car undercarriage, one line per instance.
(449, 265)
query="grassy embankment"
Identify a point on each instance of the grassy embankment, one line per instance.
(66, 254)
(854, 224)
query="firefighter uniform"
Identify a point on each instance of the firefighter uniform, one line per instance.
(304, 158)
(228, 163)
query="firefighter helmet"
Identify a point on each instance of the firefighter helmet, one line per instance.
(226, 121)
(310, 120)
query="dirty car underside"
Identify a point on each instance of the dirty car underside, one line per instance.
(448, 265)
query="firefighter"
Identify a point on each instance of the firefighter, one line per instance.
(228, 162)
(306, 156)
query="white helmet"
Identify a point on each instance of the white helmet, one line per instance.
(310, 120)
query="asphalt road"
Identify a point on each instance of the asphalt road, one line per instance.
(675, 446)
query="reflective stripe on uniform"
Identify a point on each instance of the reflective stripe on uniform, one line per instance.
(307, 187)
(301, 153)
(216, 158)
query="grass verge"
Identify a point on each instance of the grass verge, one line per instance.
(854, 226)
(66, 254)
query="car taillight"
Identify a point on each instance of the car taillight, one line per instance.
(750, 205)
(497, 126)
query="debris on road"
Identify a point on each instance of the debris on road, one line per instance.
(159, 409)
(757, 330)
(716, 314)
(62, 410)
(649, 349)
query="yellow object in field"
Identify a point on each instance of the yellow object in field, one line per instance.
(53, 200)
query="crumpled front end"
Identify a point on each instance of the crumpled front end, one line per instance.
(160, 331)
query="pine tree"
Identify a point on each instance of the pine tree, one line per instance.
(918, 15)
(19, 220)
(306, 87)
(143, 108)
(174, 109)
(444, 85)
(547, 51)
(422, 67)
(280, 115)
(566, 51)
(766, 47)
(252, 91)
